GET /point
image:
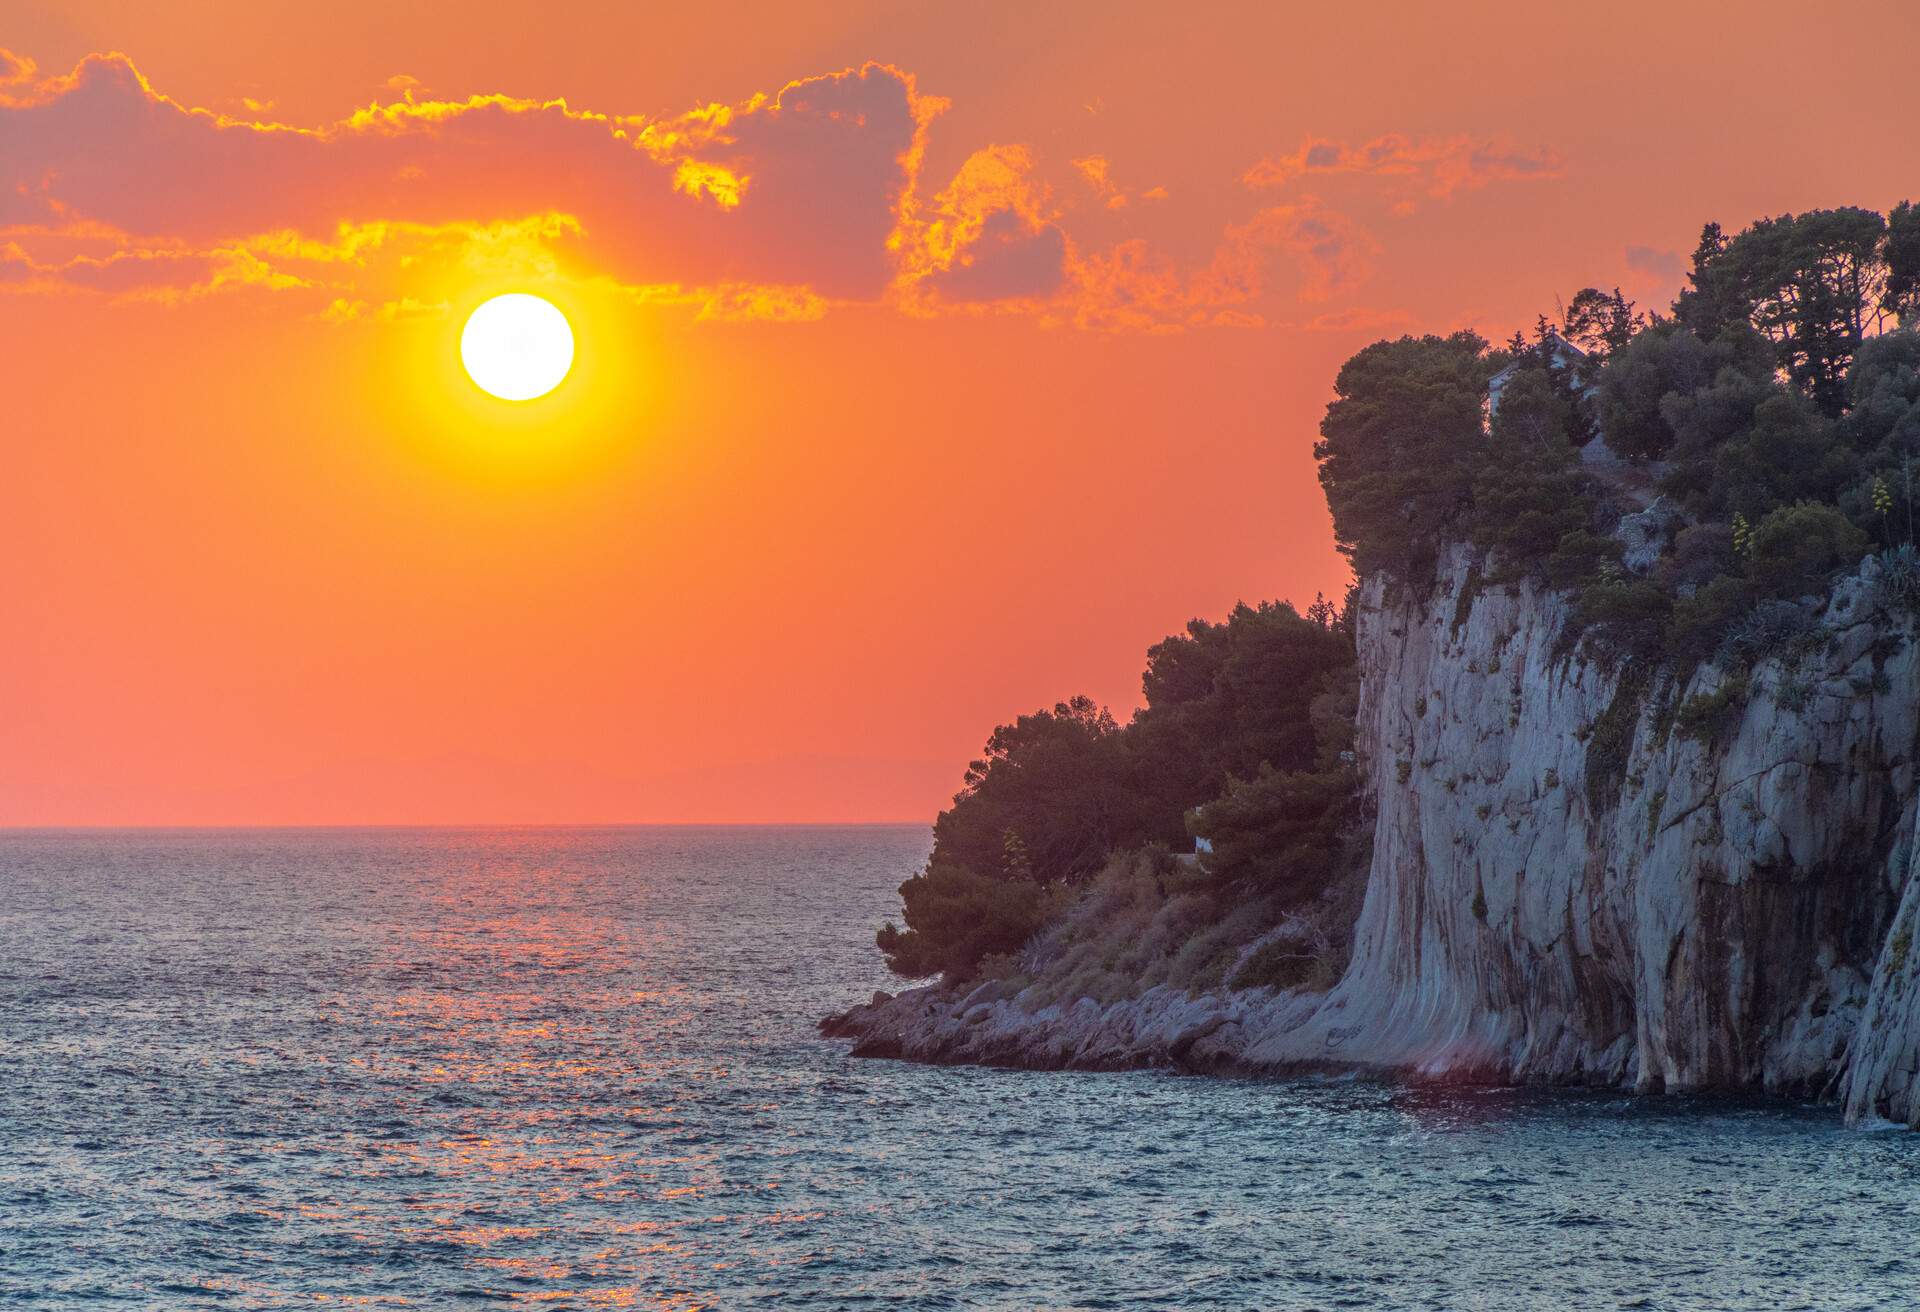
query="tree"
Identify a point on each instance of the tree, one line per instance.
(1713, 301)
(1884, 388)
(1883, 425)
(1222, 700)
(1638, 377)
(1901, 299)
(1812, 284)
(1601, 323)
(1527, 489)
(1703, 421)
(1055, 792)
(1280, 831)
(1788, 452)
(955, 918)
(1546, 355)
(1055, 779)
(1395, 447)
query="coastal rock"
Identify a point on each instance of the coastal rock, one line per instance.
(1644, 535)
(1566, 887)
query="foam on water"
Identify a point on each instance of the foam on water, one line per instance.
(578, 1068)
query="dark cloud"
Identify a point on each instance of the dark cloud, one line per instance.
(1656, 263)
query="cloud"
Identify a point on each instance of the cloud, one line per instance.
(1668, 265)
(989, 236)
(1436, 166)
(1097, 172)
(1130, 288)
(771, 209)
(341, 310)
(805, 186)
(1336, 254)
(165, 275)
(15, 70)
(742, 302)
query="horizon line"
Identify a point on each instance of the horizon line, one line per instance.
(462, 824)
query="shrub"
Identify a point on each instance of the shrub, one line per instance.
(1700, 554)
(1282, 962)
(1700, 621)
(1580, 558)
(1705, 716)
(1899, 581)
(1629, 615)
(1795, 548)
(1769, 629)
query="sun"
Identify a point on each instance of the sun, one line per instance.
(517, 347)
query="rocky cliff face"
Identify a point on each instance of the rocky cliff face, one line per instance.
(1567, 887)
(1572, 881)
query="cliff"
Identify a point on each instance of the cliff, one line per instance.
(1582, 872)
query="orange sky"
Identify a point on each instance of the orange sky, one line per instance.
(932, 365)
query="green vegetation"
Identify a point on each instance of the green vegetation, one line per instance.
(1777, 410)
(958, 918)
(1610, 738)
(1245, 719)
(1146, 920)
(1282, 829)
(1706, 715)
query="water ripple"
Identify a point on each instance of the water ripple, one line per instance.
(577, 1069)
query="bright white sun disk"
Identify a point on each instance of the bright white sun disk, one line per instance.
(517, 347)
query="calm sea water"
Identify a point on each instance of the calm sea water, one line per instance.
(578, 1068)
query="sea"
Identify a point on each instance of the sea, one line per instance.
(579, 1068)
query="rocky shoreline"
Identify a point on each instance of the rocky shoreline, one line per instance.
(987, 1025)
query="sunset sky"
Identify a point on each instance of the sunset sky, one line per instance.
(932, 364)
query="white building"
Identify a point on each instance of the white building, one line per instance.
(1565, 356)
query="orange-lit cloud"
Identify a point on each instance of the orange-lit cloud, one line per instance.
(989, 236)
(1435, 166)
(774, 208)
(801, 187)
(1335, 253)
(15, 70)
(1130, 288)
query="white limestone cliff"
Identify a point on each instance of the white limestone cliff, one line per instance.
(1564, 887)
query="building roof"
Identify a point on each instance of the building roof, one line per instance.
(1561, 347)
